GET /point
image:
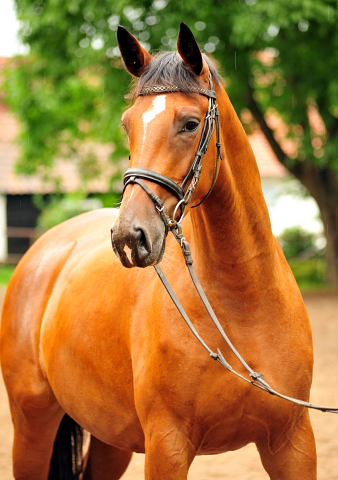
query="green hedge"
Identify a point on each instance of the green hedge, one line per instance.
(5, 273)
(309, 273)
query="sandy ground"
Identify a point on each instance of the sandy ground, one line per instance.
(245, 464)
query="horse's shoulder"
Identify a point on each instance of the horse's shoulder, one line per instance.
(75, 237)
(83, 224)
(95, 223)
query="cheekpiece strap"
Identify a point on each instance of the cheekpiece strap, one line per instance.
(167, 89)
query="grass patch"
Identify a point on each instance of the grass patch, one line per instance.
(309, 273)
(5, 273)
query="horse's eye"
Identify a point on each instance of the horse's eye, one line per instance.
(190, 126)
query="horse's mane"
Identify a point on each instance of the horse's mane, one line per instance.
(168, 69)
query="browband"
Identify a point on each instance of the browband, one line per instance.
(166, 89)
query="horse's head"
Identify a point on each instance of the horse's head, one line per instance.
(165, 126)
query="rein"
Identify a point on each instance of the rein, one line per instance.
(256, 378)
(137, 175)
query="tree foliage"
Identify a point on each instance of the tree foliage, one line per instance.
(278, 59)
(297, 242)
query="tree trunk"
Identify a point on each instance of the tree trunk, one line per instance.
(322, 184)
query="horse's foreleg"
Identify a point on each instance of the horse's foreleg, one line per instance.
(34, 434)
(169, 452)
(296, 458)
(104, 462)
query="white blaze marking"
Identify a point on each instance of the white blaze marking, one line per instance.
(128, 200)
(127, 251)
(157, 107)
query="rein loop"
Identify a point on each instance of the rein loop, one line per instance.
(256, 378)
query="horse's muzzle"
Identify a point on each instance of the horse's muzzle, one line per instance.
(138, 245)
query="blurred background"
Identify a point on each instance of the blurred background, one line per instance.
(62, 152)
(62, 87)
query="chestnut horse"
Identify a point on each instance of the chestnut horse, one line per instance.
(86, 340)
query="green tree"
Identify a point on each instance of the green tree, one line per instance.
(279, 60)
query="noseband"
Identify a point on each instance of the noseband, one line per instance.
(136, 175)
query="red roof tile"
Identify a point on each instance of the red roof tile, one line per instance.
(267, 162)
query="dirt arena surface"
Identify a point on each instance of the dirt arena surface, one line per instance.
(245, 464)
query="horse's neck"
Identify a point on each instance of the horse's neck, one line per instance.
(232, 228)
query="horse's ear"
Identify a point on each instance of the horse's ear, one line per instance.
(135, 57)
(189, 50)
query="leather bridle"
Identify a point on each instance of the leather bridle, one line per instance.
(137, 175)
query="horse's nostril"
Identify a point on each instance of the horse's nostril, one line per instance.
(142, 243)
(142, 240)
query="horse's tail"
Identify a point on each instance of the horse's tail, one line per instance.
(66, 462)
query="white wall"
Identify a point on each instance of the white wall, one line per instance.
(288, 207)
(3, 227)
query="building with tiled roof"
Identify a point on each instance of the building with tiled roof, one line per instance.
(267, 162)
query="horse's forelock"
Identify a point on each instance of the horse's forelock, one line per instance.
(168, 69)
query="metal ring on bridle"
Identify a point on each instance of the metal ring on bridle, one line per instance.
(179, 204)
